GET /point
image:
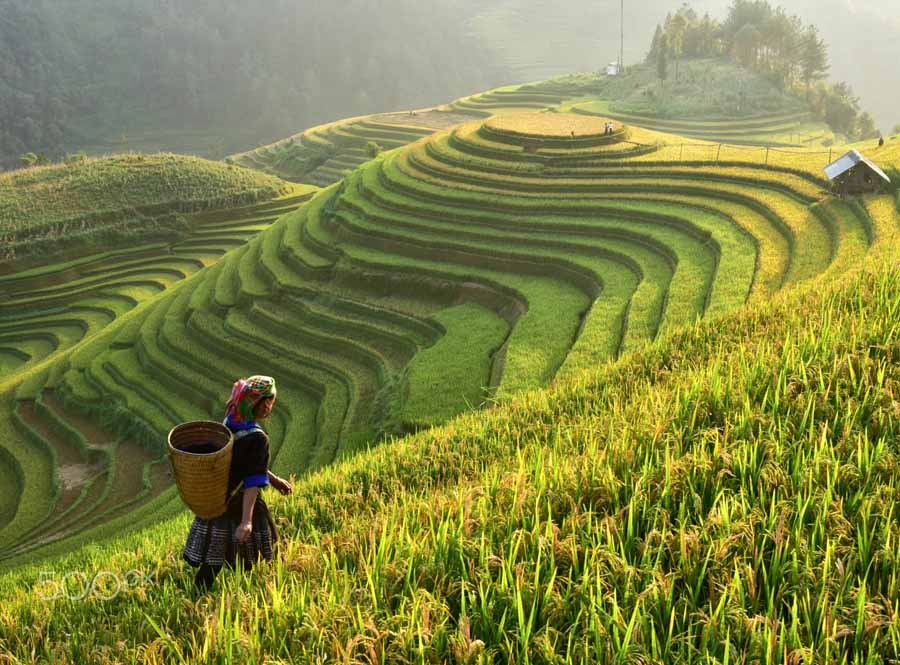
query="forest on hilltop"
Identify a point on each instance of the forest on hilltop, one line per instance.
(765, 39)
(538, 39)
(72, 75)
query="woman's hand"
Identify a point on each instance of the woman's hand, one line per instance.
(242, 533)
(280, 484)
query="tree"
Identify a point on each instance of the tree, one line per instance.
(782, 36)
(709, 37)
(687, 18)
(813, 57)
(653, 53)
(746, 45)
(865, 127)
(896, 129)
(662, 58)
(744, 12)
(676, 27)
(842, 109)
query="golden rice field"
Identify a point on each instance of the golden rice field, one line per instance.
(553, 125)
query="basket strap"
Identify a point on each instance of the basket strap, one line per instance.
(240, 435)
(237, 489)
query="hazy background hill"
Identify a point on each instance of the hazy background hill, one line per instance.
(215, 77)
(540, 38)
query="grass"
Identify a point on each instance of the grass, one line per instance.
(809, 162)
(507, 99)
(321, 155)
(610, 257)
(541, 337)
(723, 492)
(813, 246)
(35, 468)
(709, 89)
(468, 143)
(50, 208)
(656, 223)
(49, 312)
(771, 129)
(448, 274)
(645, 487)
(455, 375)
(56, 307)
(424, 181)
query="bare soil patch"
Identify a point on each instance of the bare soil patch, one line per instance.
(428, 119)
(74, 476)
(95, 435)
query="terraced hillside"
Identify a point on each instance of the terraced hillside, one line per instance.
(480, 261)
(91, 473)
(123, 198)
(323, 155)
(603, 245)
(326, 154)
(44, 310)
(781, 129)
(584, 95)
(724, 495)
(512, 98)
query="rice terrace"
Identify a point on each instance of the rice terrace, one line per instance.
(603, 367)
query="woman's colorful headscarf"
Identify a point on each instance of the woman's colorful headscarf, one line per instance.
(245, 395)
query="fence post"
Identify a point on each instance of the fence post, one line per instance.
(681, 154)
(718, 152)
(829, 155)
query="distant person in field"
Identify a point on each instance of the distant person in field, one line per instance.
(245, 533)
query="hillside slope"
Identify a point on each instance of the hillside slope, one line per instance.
(61, 207)
(537, 39)
(483, 260)
(211, 77)
(505, 261)
(726, 492)
(715, 100)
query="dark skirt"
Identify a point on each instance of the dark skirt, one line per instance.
(212, 541)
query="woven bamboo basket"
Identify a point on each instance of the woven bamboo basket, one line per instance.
(200, 454)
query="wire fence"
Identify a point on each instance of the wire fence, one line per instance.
(799, 158)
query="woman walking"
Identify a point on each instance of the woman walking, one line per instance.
(245, 533)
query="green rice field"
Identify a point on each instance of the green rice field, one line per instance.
(549, 393)
(47, 210)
